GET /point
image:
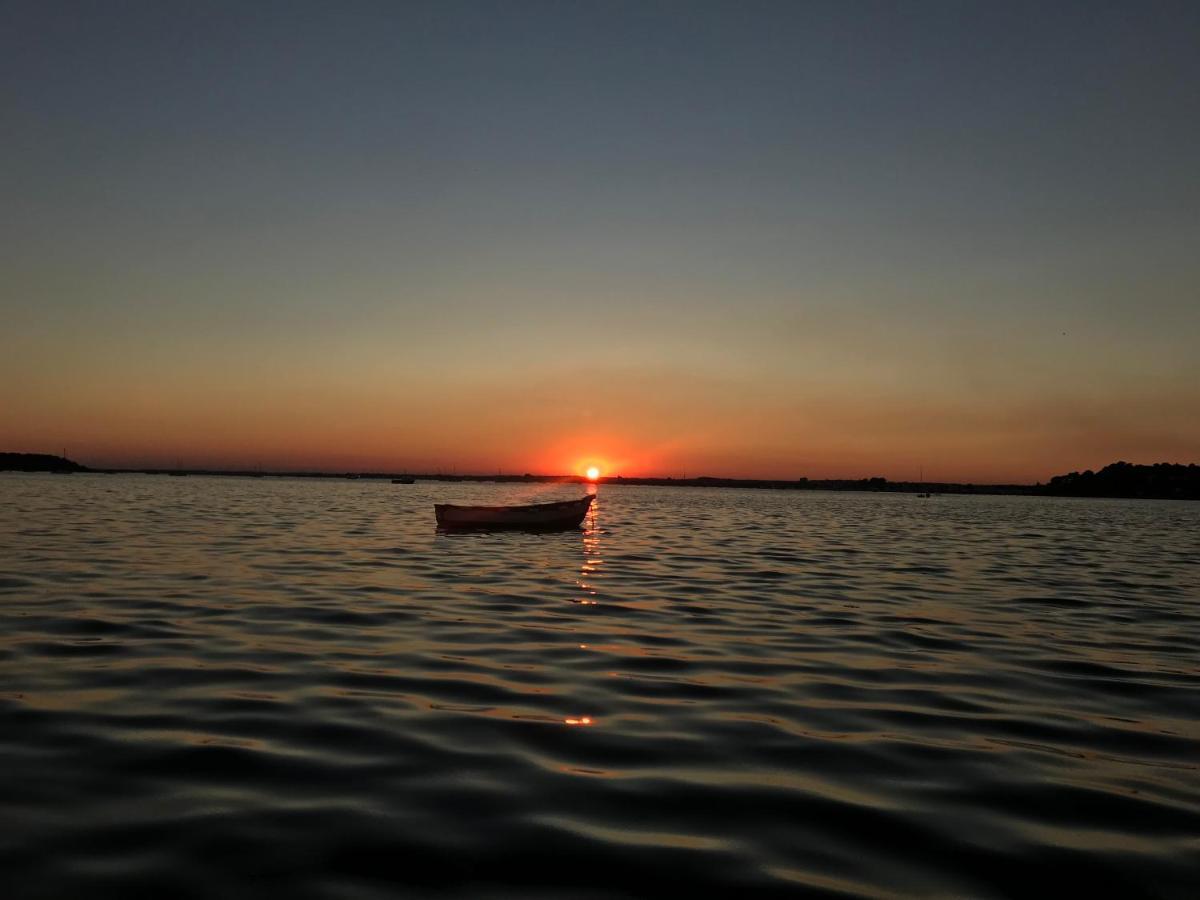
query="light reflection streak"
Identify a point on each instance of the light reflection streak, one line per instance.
(589, 568)
(587, 572)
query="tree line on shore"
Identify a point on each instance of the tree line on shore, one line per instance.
(1171, 481)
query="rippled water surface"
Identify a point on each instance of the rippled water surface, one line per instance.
(240, 687)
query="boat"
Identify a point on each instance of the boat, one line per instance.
(407, 479)
(531, 517)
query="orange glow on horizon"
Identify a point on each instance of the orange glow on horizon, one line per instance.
(593, 472)
(206, 421)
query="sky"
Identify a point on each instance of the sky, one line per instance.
(779, 240)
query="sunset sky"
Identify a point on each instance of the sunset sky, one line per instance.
(742, 239)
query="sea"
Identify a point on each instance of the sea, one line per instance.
(247, 687)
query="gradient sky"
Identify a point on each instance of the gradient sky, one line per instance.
(756, 239)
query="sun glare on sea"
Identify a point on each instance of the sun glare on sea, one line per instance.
(592, 473)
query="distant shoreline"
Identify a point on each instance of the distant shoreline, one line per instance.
(1119, 480)
(803, 484)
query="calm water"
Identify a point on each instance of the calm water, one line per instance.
(235, 687)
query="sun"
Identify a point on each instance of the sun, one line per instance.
(592, 473)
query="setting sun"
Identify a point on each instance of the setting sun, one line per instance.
(592, 473)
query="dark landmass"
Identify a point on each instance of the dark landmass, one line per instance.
(38, 462)
(1169, 481)
(1162, 481)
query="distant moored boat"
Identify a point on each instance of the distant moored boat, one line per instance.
(534, 517)
(407, 479)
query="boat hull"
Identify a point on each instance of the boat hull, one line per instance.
(559, 516)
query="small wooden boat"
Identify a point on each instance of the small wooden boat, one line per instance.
(532, 517)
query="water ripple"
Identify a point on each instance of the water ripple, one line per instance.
(221, 687)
